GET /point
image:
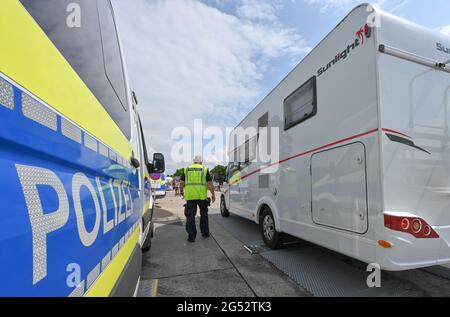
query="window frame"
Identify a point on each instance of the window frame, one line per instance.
(98, 80)
(124, 103)
(289, 126)
(144, 145)
(253, 149)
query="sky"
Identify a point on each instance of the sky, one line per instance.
(216, 59)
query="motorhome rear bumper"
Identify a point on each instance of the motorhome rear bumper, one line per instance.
(408, 252)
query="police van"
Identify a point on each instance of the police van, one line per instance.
(158, 185)
(75, 195)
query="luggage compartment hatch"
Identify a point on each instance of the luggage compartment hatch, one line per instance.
(339, 188)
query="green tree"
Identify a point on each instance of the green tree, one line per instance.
(219, 173)
(179, 172)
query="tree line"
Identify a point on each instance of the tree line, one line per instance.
(218, 173)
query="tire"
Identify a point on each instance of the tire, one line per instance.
(147, 245)
(223, 208)
(271, 237)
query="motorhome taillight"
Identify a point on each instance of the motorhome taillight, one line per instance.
(417, 227)
(427, 231)
(405, 224)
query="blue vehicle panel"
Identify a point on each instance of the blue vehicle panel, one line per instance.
(69, 203)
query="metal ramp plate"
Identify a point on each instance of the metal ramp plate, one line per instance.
(320, 271)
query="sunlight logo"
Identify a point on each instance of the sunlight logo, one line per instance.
(363, 33)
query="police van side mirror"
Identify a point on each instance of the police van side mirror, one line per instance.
(159, 164)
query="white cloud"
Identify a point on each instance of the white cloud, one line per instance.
(188, 60)
(257, 9)
(328, 6)
(445, 29)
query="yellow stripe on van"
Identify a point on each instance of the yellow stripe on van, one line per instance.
(28, 57)
(108, 279)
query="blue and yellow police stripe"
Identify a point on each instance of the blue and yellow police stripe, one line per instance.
(48, 83)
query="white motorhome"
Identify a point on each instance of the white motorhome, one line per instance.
(364, 155)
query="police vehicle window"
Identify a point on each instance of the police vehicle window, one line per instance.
(300, 105)
(143, 143)
(92, 49)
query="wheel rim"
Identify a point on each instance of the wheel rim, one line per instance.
(268, 227)
(222, 206)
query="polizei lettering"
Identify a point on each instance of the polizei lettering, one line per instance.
(340, 57)
(441, 48)
(44, 223)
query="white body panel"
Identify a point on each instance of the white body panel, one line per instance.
(416, 182)
(339, 188)
(339, 173)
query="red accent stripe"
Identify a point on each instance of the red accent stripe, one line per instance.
(396, 132)
(308, 152)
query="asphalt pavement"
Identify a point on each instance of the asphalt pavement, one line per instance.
(216, 267)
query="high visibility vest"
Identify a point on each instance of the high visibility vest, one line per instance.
(195, 182)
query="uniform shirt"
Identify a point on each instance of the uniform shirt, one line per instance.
(208, 177)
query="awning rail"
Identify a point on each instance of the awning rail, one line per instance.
(415, 58)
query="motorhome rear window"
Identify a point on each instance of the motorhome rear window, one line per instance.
(301, 104)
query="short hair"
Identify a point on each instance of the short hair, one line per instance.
(198, 159)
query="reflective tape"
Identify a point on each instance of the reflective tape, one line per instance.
(6, 94)
(93, 275)
(90, 142)
(78, 291)
(70, 130)
(36, 111)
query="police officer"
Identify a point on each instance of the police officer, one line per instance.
(194, 185)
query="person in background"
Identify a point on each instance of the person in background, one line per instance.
(174, 186)
(194, 185)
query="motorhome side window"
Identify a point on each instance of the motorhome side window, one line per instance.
(252, 149)
(92, 50)
(235, 156)
(263, 122)
(301, 104)
(242, 155)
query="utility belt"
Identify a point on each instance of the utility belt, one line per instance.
(208, 202)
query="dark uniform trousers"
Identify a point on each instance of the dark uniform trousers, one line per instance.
(190, 212)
